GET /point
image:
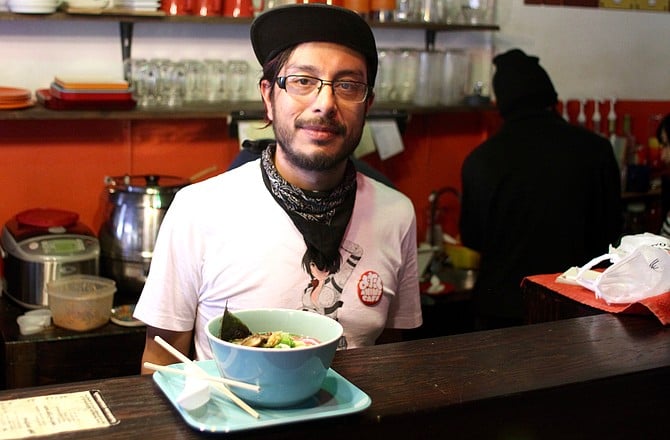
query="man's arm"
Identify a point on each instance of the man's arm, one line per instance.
(156, 354)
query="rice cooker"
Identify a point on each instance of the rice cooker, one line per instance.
(42, 245)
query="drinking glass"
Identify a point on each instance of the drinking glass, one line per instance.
(153, 81)
(429, 78)
(175, 85)
(456, 72)
(215, 83)
(237, 75)
(431, 11)
(384, 87)
(405, 78)
(382, 10)
(196, 79)
(452, 11)
(477, 11)
(158, 79)
(406, 11)
(134, 70)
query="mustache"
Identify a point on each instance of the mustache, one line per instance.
(321, 124)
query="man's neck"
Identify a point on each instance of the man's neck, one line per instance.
(308, 180)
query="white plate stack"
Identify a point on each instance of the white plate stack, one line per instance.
(138, 5)
(86, 4)
(33, 6)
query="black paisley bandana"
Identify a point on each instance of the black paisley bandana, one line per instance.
(321, 217)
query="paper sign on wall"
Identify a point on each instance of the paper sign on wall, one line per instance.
(387, 138)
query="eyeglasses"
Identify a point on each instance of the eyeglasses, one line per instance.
(304, 85)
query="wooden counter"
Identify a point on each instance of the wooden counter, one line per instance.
(601, 376)
(541, 304)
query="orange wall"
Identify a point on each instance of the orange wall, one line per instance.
(62, 164)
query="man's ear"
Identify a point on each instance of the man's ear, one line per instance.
(266, 95)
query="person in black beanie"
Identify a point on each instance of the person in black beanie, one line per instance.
(521, 84)
(663, 137)
(539, 196)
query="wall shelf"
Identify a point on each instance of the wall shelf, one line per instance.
(209, 111)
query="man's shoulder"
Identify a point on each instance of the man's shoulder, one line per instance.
(372, 191)
(494, 145)
(583, 137)
(236, 180)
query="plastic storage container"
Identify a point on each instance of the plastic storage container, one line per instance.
(81, 302)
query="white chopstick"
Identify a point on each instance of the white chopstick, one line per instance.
(219, 386)
(207, 377)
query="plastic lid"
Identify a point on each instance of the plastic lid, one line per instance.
(152, 183)
(81, 287)
(46, 217)
(34, 321)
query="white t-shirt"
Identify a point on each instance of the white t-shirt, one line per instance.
(226, 240)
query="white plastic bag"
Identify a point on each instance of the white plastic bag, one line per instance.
(640, 269)
(631, 242)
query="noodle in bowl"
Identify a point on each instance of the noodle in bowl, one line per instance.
(286, 376)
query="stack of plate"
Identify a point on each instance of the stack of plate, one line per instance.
(87, 94)
(33, 6)
(13, 98)
(138, 5)
(86, 4)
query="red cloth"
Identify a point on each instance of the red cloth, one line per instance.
(658, 305)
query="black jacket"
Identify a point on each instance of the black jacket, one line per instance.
(539, 196)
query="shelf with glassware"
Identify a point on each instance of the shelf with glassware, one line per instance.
(213, 110)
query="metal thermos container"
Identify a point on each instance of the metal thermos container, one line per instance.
(134, 211)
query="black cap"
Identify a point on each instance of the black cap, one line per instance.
(284, 26)
(520, 83)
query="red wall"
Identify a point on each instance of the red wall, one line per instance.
(62, 163)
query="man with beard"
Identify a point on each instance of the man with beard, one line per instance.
(298, 228)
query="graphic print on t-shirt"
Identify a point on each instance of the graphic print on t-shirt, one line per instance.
(324, 292)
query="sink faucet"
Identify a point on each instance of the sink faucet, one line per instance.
(434, 235)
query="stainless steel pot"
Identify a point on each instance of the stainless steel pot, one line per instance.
(135, 209)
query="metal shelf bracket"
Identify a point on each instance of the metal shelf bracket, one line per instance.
(126, 31)
(430, 39)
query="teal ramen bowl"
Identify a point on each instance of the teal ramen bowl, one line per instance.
(285, 376)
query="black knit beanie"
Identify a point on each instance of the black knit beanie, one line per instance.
(520, 83)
